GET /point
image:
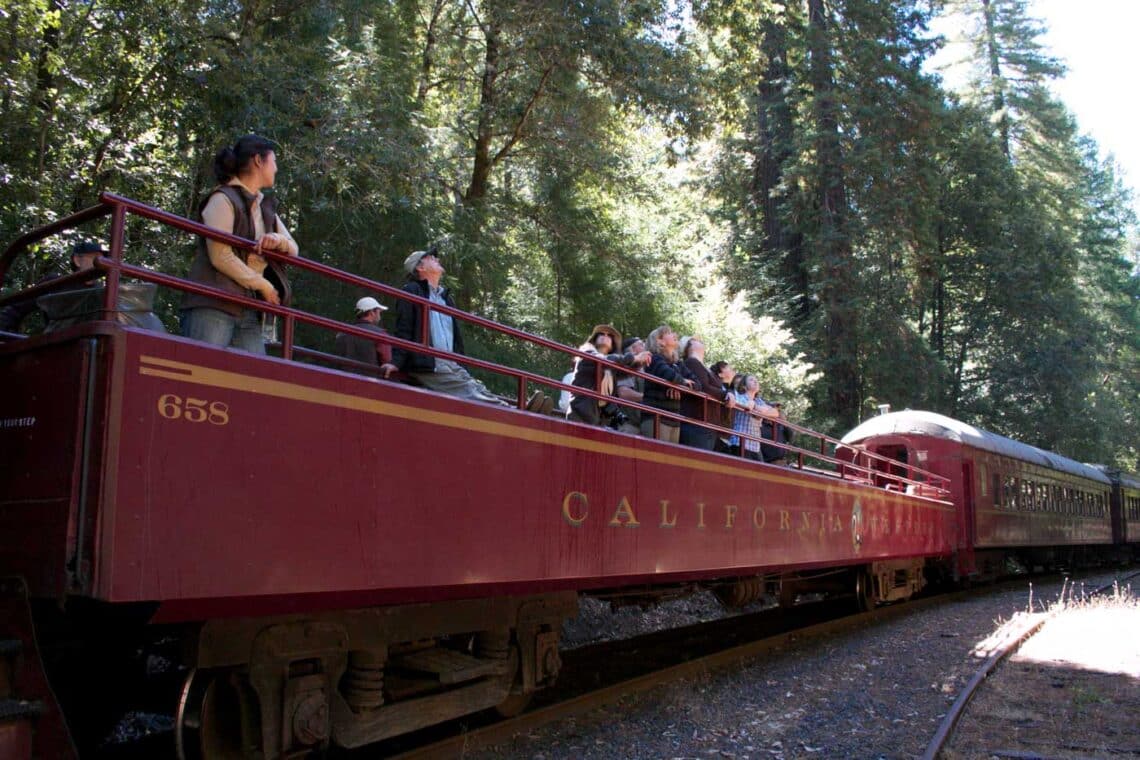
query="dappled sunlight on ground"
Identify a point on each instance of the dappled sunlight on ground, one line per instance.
(1105, 639)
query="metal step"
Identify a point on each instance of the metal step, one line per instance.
(452, 667)
(10, 650)
(17, 718)
(20, 709)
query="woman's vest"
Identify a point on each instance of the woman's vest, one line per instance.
(201, 270)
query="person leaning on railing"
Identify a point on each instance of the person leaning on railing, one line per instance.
(237, 206)
(666, 365)
(604, 342)
(694, 407)
(360, 349)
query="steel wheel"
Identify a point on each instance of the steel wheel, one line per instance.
(864, 591)
(209, 720)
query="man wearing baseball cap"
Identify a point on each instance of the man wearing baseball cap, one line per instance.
(361, 349)
(83, 257)
(436, 373)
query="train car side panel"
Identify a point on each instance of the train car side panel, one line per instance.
(241, 477)
(50, 418)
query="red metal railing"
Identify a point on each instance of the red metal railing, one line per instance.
(863, 466)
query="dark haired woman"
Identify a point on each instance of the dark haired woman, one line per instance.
(238, 207)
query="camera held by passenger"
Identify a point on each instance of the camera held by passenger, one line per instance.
(615, 417)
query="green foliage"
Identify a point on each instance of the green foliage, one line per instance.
(783, 179)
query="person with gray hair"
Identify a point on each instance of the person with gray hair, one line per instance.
(425, 273)
(665, 364)
(695, 407)
(436, 373)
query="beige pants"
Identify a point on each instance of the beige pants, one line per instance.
(670, 433)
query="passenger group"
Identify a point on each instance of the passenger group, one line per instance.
(679, 383)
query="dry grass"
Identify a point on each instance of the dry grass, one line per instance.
(1071, 690)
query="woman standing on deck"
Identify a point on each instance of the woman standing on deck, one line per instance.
(238, 207)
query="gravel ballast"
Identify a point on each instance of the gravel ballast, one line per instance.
(879, 692)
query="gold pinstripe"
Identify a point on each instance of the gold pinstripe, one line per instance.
(190, 373)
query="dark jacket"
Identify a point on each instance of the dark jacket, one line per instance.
(14, 313)
(707, 382)
(409, 326)
(201, 270)
(362, 349)
(655, 393)
(587, 407)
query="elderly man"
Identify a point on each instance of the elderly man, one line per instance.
(436, 373)
(357, 348)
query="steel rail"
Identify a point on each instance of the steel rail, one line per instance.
(1030, 625)
(502, 731)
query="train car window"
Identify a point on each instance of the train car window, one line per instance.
(1028, 499)
(1009, 495)
(983, 479)
(997, 489)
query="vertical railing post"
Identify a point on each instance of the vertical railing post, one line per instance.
(111, 281)
(287, 330)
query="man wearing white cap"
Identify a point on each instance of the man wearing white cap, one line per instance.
(439, 374)
(361, 349)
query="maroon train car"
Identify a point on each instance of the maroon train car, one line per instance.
(339, 559)
(1013, 501)
(1125, 507)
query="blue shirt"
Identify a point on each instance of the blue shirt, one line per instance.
(442, 329)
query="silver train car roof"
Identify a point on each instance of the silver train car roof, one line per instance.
(1126, 478)
(936, 425)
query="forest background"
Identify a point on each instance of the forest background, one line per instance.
(785, 179)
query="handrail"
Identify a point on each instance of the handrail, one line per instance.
(861, 466)
(20, 244)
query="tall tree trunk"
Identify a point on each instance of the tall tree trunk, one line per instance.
(993, 57)
(427, 60)
(774, 137)
(45, 84)
(840, 343)
(481, 169)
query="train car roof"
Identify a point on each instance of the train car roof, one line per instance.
(940, 426)
(1125, 478)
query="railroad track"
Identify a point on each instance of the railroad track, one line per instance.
(1012, 638)
(598, 675)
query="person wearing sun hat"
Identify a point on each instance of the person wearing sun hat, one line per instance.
(361, 349)
(604, 343)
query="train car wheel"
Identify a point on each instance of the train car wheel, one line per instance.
(209, 719)
(513, 705)
(864, 591)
